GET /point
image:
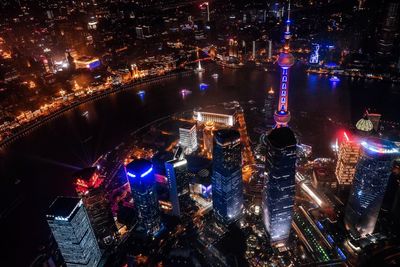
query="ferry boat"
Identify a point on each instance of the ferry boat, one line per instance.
(334, 79)
(203, 86)
(185, 92)
(141, 92)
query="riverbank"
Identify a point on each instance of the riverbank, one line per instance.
(26, 129)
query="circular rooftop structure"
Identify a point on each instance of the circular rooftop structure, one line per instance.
(286, 60)
(374, 146)
(281, 117)
(364, 124)
(139, 168)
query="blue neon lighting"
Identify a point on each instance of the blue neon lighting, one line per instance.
(320, 226)
(130, 174)
(146, 172)
(341, 254)
(330, 239)
(380, 150)
(94, 64)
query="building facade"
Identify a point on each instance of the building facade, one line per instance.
(141, 178)
(279, 185)
(89, 186)
(215, 116)
(349, 154)
(178, 182)
(188, 138)
(208, 138)
(227, 183)
(369, 185)
(70, 225)
(269, 108)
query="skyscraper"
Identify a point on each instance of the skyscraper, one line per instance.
(349, 153)
(280, 162)
(389, 29)
(178, 181)
(369, 185)
(141, 179)
(89, 186)
(188, 137)
(208, 138)
(279, 185)
(227, 183)
(69, 223)
(269, 107)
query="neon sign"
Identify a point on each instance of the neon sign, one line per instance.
(283, 91)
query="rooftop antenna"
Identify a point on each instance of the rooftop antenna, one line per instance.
(288, 19)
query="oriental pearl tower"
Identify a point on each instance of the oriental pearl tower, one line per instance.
(280, 160)
(285, 61)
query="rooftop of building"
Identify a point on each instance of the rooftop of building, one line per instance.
(282, 137)
(139, 167)
(227, 136)
(229, 109)
(186, 125)
(85, 173)
(378, 146)
(63, 206)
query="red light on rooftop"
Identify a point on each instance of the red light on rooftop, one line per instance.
(83, 185)
(346, 136)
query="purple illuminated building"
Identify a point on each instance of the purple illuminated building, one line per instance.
(141, 178)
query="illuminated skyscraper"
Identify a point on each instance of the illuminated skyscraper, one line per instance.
(188, 137)
(89, 186)
(389, 29)
(227, 183)
(349, 153)
(208, 138)
(142, 181)
(233, 48)
(178, 181)
(269, 107)
(73, 233)
(369, 185)
(279, 185)
(280, 162)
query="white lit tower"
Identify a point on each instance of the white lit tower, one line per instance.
(285, 61)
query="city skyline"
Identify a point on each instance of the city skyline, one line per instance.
(161, 133)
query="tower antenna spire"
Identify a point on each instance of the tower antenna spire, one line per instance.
(288, 19)
(285, 61)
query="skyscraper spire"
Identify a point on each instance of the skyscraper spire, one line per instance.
(285, 61)
(288, 20)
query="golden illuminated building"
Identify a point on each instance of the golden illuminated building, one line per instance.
(208, 136)
(349, 153)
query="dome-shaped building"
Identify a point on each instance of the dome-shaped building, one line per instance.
(364, 125)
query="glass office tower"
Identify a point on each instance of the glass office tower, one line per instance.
(141, 178)
(227, 183)
(369, 185)
(279, 184)
(70, 225)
